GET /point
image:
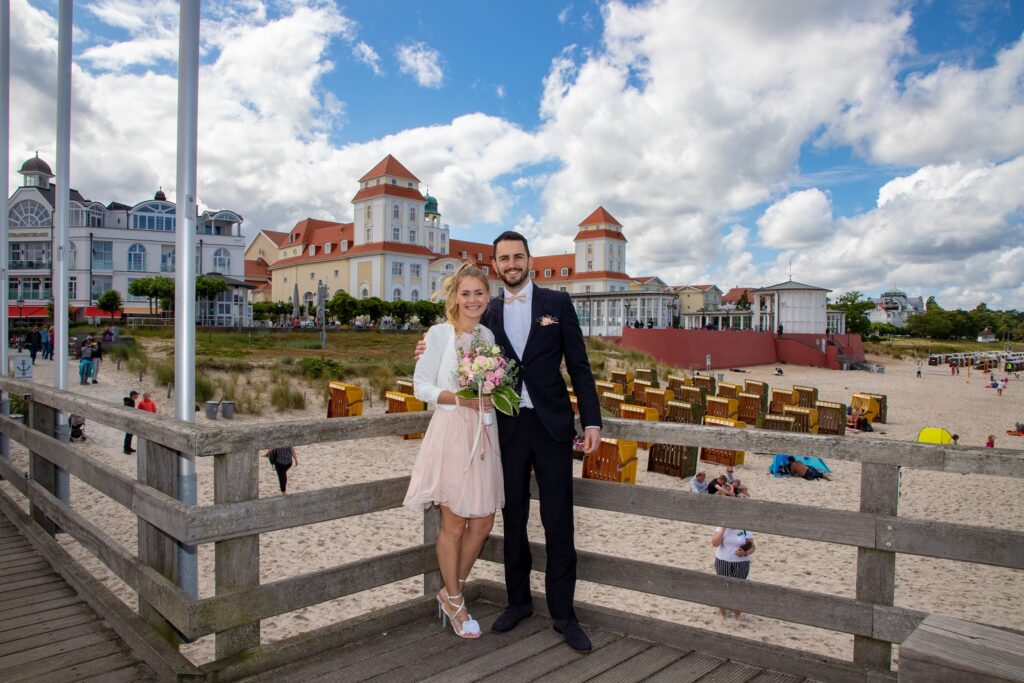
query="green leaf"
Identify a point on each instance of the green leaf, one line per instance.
(506, 400)
(466, 393)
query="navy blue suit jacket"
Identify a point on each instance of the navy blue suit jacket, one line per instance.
(540, 366)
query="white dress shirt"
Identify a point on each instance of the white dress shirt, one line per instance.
(517, 329)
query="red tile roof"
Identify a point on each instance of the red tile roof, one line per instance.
(306, 229)
(389, 166)
(600, 216)
(456, 247)
(599, 275)
(555, 263)
(734, 294)
(256, 268)
(644, 279)
(399, 247)
(595, 234)
(278, 238)
(389, 189)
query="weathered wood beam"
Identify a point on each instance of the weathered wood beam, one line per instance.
(221, 522)
(876, 568)
(227, 611)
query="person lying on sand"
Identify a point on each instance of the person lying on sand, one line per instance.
(808, 472)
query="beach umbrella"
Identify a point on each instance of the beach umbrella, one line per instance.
(295, 302)
(934, 435)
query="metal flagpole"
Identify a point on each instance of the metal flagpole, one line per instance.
(5, 151)
(185, 275)
(62, 215)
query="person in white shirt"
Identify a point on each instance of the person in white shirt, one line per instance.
(699, 483)
(733, 548)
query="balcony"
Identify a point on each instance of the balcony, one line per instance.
(29, 265)
(34, 295)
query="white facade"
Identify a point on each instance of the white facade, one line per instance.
(111, 246)
(797, 308)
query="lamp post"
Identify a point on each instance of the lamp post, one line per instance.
(21, 305)
(627, 322)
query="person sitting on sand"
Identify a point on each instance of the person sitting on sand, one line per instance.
(1018, 427)
(720, 486)
(798, 468)
(778, 372)
(739, 490)
(698, 484)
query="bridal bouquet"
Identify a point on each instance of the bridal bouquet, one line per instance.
(484, 371)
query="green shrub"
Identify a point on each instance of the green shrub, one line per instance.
(284, 397)
(321, 368)
(381, 378)
(204, 388)
(163, 373)
(248, 402)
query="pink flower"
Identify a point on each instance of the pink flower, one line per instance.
(490, 377)
(488, 387)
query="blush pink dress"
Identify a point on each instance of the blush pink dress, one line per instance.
(444, 472)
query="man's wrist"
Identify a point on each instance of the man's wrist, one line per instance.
(597, 428)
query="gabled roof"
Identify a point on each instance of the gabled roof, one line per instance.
(555, 263)
(600, 216)
(393, 247)
(278, 238)
(790, 285)
(596, 234)
(312, 231)
(389, 166)
(256, 269)
(388, 189)
(456, 247)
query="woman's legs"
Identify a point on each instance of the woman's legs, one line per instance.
(449, 549)
(477, 530)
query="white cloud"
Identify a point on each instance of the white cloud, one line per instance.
(563, 16)
(368, 56)
(422, 62)
(801, 219)
(499, 90)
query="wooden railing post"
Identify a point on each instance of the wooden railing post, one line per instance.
(236, 562)
(42, 418)
(431, 529)
(158, 467)
(876, 569)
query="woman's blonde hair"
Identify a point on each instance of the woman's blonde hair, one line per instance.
(450, 288)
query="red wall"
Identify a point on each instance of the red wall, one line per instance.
(739, 348)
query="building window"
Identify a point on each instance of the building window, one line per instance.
(364, 294)
(547, 272)
(396, 233)
(409, 184)
(396, 295)
(153, 216)
(414, 295)
(327, 248)
(412, 214)
(587, 289)
(414, 269)
(561, 289)
(137, 258)
(312, 250)
(487, 270)
(222, 261)
(565, 272)
(369, 234)
(336, 273)
(590, 265)
(396, 212)
(449, 267)
(412, 235)
(29, 214)
(312, 276)
(533, 274)
(72, 288)
(394, 181)
(369, 213)
(396, 268)
(286, 282)
(96, 215)
(167, 260)
(479, 256)
(72, 256)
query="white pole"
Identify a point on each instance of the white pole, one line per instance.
(62, 215)
(185, 283)
(5, 152)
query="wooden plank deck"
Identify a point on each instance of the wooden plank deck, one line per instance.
(420, 650)
(47, 632)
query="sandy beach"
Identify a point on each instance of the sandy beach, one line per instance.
(961, 404)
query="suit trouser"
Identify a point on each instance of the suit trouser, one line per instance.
(531, 447)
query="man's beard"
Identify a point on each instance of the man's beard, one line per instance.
(507, 279)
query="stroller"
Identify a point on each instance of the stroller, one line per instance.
(77, 424)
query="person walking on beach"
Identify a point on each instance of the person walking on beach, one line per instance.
(34, 341)
(539, 329)
(97, 359)
(283, 458)
(129, 402)
(458, 467)
(733, 548)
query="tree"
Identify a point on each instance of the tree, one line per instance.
(110, 301)
(856, 309)
(142, 287)
(743, 303)
(209, 288)
(401, 311)
(163, 292)
(428, 311)
(373, 308)
(343, 307)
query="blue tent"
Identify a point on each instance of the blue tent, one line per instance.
(780, 461)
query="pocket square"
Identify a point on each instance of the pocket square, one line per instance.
(546, 320)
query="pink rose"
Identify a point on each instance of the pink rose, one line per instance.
(488, 387)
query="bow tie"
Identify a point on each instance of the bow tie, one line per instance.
(515, 297)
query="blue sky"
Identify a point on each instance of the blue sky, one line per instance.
(872, 144)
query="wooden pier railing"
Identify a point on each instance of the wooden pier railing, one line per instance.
(238, 516)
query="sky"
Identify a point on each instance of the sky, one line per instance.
(854, 146)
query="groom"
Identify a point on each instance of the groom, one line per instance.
(538, 327)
